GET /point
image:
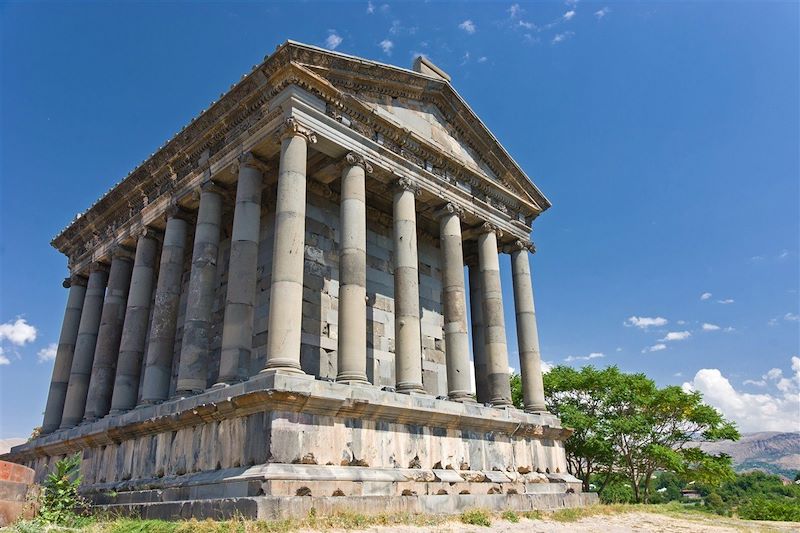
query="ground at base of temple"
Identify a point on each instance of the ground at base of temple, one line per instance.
(597, 518)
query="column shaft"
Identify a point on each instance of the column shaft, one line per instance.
(64, 354)
(530, 360)
(408, 336)
(104, 366)
(161, 344)
(494, 322)
(194, 359)
(81, 369)
(478, 337)
(352, 353)
(134, 329)
(455, 305)
(237, 331)
(286, 290)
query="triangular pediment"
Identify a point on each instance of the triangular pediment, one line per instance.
(429, 107)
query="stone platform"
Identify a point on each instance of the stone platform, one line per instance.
(279, 444)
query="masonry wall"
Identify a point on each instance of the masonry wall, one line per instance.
(318, 355)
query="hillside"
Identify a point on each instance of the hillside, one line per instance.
(774, 452)
(7, 444)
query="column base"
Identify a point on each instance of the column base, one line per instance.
(501, 403)
(411, 388)
(462, 397)
(353, 378)
(283, 366)
(537, 410)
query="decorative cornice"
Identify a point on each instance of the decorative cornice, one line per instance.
(520, 245)
(357, 160)
(120, 251)
(292, 128)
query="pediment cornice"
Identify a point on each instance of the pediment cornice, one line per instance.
(332, 77)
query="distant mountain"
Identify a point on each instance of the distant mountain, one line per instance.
(771, 451)
(7, 444)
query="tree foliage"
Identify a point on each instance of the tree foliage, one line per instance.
(624, 425)
(60, 498)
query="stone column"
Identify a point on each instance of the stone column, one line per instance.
(104, 366)
(530, 360)
(193, 364)
(81, 369)
(455, 304)
(161, 345)
(286, 290)
(352, 352)
(493, 320)
(478, 346)
(66, 349)
(408, 337)
(134, 329)
(237, 329)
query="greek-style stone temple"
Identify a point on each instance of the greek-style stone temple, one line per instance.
(270, 313)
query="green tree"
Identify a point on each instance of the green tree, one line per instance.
(625, 425)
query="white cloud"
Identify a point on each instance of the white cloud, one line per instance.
(729, 329)
(569, 14)
(18, 333)
(726, 301)
(483, 59)
(48, 353)
(547, 367)
(791, 317)
(676, 336)
(751, 412)
(370, 8)
(710, 327)
(512, 370)
(600, 13)
(706, 296)
(561, 37)
(514, 11)
(757, 383)
(593, 355)
(386, 45)
(655, 348)
(645, 322)
(3, 359)
(333, 40)
(468, 26)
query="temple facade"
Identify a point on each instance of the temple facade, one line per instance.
(271, 314)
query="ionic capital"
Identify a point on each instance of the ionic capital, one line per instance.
(450, 209)
(148, 232)
(212, 186)
(292, 128)
(175, 210)
(248, 159)
(406, 184)
(488, 227)
(75, 279)
(120, 251)
(98, 266)
(353, 159)
(520, 245)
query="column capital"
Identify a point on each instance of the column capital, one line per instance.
(149, 232)
(120, 251)
(449, 209)
(519, 245)
(406, 184)
(175, 210)
(292, 128)
(353, 159)
(75, 279)
(248, 159)
(488, 227)
(99, 266)
(209, 185)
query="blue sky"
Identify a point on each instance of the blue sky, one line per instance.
(665, 134)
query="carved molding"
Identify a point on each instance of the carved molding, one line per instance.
(248, 159)
(450, 209)
(488, 227)
(75, 279)
(406, 184)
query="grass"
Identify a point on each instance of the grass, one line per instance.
(353, 521)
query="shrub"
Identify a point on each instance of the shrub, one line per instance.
(773, 509)
(714, 503)
(510, 516)
(476, 517)
(60, 499)
(617, 493)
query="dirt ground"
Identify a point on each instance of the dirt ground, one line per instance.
(618, 523)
